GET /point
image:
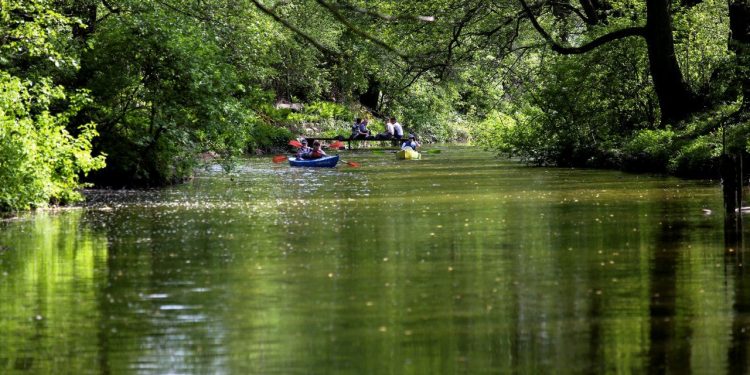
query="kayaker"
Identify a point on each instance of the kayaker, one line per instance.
(317, 151)
(304, 151)
(411, 143)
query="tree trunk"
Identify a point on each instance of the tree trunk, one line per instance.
(86, 12)
(731, 180)
(739, 43)
(370, 98)
(676, 100)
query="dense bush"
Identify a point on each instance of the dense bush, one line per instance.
(321, 118)
(319, 110)
(737, 131)
(41, 156)
(264, 137)
(697, 158)
(40, 160)
(163, 96)
(428, 111)
(502, 133)
(649, 150)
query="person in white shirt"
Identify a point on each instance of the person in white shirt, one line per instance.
(388, 134)
(398, 130)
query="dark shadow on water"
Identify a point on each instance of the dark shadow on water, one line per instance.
(596, 337)
(669, 349)
(734, 256)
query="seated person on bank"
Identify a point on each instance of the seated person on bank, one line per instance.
(362, 132)
(411, 143)
(317, 151)
(398, 130)
(355, 128)
(388, 134)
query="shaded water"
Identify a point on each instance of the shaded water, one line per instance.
(458, 263)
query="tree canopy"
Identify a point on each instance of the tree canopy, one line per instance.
(150, 85)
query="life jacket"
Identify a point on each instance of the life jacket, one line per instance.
(316, 154)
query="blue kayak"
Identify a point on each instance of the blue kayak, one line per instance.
(326, 162)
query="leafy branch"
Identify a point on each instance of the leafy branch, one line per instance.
(320, 47)
(604, 39)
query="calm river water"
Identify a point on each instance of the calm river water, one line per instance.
(459, 263)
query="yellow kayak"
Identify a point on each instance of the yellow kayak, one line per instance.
(408, 155)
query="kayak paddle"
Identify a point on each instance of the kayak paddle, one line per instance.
(336, 145)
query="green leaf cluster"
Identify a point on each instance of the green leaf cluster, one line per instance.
(40, 161)
(42, 155)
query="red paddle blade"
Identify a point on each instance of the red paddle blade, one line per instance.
(352, 164)
(336, 145)
(295, 143)
(279, 159)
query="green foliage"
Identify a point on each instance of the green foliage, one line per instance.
(428, 111)
(40, 159)
(320, 111)
(701, 43)
(170, 82)
(265, 137)
(41, 155)
(321, 118)
(697, 158)
(691, 151)
(165, 94)
(328, 110)
(649, 150)
(502, 133)
(585, 112)
(33, 37)
(737, 131)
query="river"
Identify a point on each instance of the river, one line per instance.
(458, 263)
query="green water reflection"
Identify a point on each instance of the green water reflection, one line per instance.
(458, 263)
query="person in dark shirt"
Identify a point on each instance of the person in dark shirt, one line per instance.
(304, 151)
(411, 143)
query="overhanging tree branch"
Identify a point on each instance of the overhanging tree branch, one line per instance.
(455, 41)
(575, 10)
(305, 36)
(336, 14)
(604, 39)
(110, 7)
(385, 17)
(179, 10)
